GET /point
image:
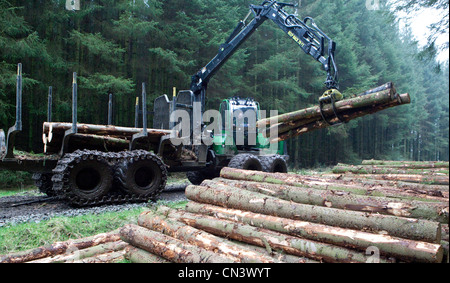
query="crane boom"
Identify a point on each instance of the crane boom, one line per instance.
(307, 35)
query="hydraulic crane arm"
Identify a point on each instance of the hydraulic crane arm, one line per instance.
(305, 33)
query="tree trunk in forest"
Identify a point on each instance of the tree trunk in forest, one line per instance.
(344, 200)
(167, 247)
(399, 248)
(226, 196)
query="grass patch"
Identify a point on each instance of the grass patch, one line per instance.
(27, 236)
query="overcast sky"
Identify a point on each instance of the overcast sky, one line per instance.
(419, 22)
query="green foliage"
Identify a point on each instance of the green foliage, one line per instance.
(10, 179)
(115, 46)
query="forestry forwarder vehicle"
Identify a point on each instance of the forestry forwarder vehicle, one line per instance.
(90, 165)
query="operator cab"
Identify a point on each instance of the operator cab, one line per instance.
(239, 115)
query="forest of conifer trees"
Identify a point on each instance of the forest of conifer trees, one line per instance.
(115, 45)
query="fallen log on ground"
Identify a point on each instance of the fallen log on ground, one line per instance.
(168, 247)
(230, 197)
(60, 248)
(266, 238)
(404, 249)
(339, 199)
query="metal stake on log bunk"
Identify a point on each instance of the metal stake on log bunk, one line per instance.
(144, 132)
(14, 130)
(72, 131)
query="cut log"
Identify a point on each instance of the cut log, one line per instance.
(380, 97)
(201, 239)
(407, 164)
(60, 248)
(76, 255)
(369, 169)
(340, 199)
(330, 182)
(345, 116)
(421, 179)
(269, 239)
(229, 197)
(167, 247)
(50, 128)
(93, 142)
(136, 255)
(399, 248)
(431, 190)
(111, 257)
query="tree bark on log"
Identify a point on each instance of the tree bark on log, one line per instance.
(342, 200)
(167, 247)
(421, 179)
(93, 142)
(269, 239)
(50, 129)
(431, 190)
(76, 254)
(136, 255)
(207, 241)
(407, 164)
(111, 257)
(381, 97)
(345, 117)
(404, 249)
(60, 248)
(369, 169)
(329, 182)
(226, 196)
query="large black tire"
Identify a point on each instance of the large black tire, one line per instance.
(274, 164)
(246, 162)
(143, 175)
(90, 179)
(44, 183)
(196, 177)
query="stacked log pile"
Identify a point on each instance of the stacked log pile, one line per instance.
(428, 172)
(101, 248)
(257, 217)
(306, 120)
(249, 216)
(96, 137)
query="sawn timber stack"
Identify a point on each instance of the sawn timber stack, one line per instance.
(273, 217)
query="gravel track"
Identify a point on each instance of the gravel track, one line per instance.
(40, 211)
